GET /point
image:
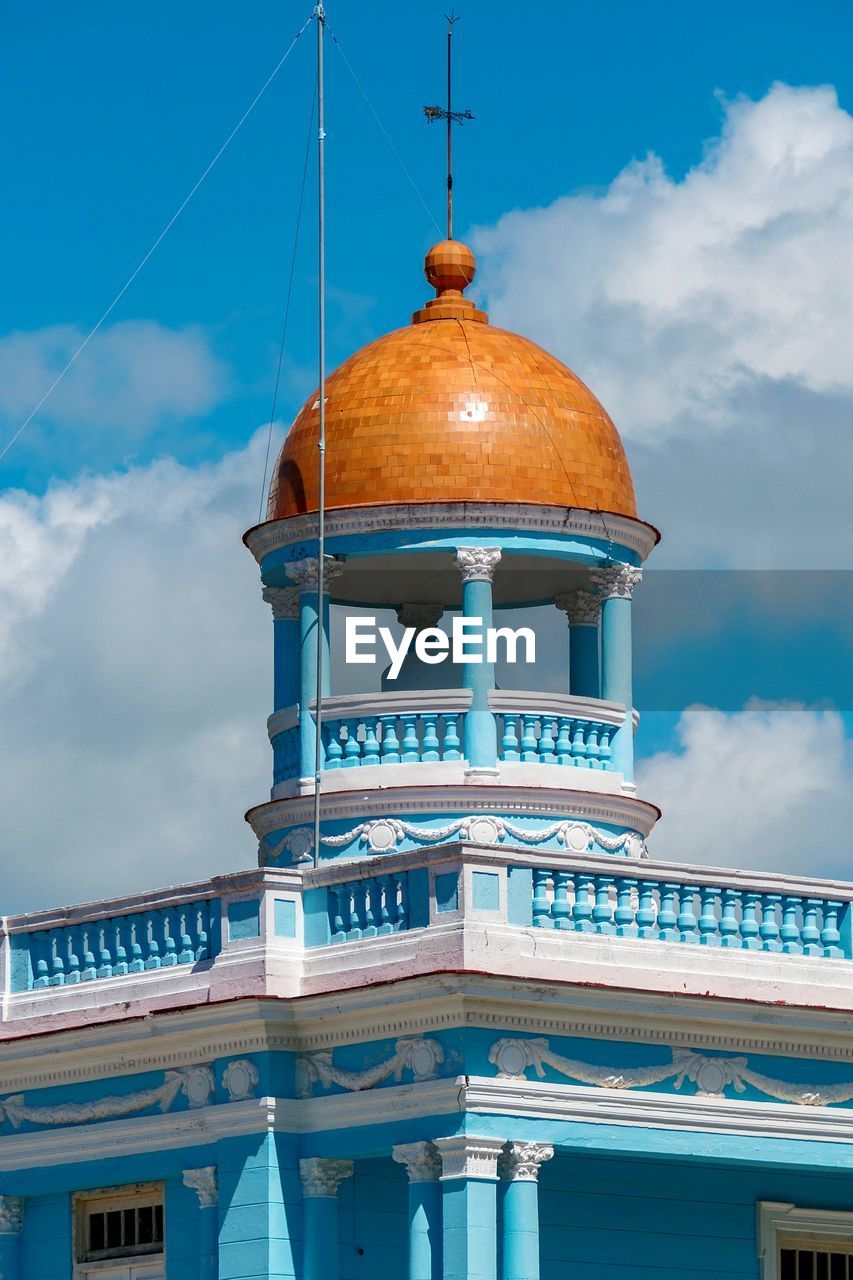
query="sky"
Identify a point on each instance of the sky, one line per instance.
(661, 195)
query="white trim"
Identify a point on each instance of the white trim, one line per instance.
(558, 704)
(820, 1226)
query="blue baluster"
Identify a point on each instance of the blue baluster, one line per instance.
(668, 914)
(372, 916)
(119, 950)
(529, 744)
(39, 951)
(564, 741)
(729, 927)
(170, 938)
(547, 742)
(541, 904)
(810, 933)
(400, 882)
(687, 929)
(561, 910)
(386, 907)
(582, 909)
(338, 912)
(749, 922)
(769, 931)
(137, 959)
(72, 962)
(509, 741)
(790, 930)
(411, 747)
(430, 744)
(623, 916)
(603, 911)
(390, 741)
(57, 960)
(451, 747)
(152, 943)
(370, 749)
(352, 746)
(359, 909)
(105, 958)
(579, 745)
(90, 970)
(334, 749)
(592, 753)
(605, 754)
(646, 910)
(829, 935)
(708, 922)
(186, 955)
(203, 931)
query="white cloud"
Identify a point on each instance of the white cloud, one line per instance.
(767, 787)
(712, 315)
(135, 679)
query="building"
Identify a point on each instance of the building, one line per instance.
(485, 1037)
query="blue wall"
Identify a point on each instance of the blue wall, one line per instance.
(373, 1222)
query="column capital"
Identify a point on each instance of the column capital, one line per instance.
(520, 1161)
(422, 1161)
(304, 572)
(284, 602)
(323, 1177)
(419, 615)
(466, 1156)
(617, 581)
(203, 1182)
(11, 1215)
(582, 608)
(477, 564)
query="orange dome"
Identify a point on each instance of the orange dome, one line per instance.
(451, 409)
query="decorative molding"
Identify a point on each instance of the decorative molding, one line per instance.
(477, 564)
(323, 1177)
(196, 1084)
(422, 1161)
(582, 608)
(304, 572)
(419, 615)
(284, 601)
(384, 834)
(466, 1156)
(239, 1079)
(203, 1182)
(521, 1161)
(420, 1055)
(617, 581)
(711, 1075)
(11, 1215)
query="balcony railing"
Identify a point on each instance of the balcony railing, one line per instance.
(553, 728)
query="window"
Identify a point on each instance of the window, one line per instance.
(122, 1226)
(804, 1244)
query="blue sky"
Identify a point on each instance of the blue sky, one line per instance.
(661, 194)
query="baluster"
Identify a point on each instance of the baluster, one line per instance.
(119, 950)
(541, 904)
(810, 933)
(338, 911)
(708, 922)
(203, 930)
(547, 742)
(401, 880)
(829, 934)
(646, 910)
(687, 929)
(372, 917)
(105, 965)
(390, 741)
(561, 910)
(383, 898)
(451, 747)
(430, 744)
(186, 954)
(370, 748)
(411, 747)
(334, 749)
(352, 746)
(603, 910)
(39, 950)
(579, 745)
(749, 922)
(137, 960)
(57, 960)
(605, 754)
(668, 914)
(170, 940)
(152, 944)
(89, 968)
(790, 930)
(623, 916)
(509, 741)
(529, 744)
(592, 752)
(72, 960)
(729, 927)
(359, 903)
(769, 931)
(582, 910)
(564, 740)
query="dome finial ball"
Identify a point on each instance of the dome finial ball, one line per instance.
(450, 265)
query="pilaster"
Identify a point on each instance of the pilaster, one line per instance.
(469, 1206)
(204, 1183)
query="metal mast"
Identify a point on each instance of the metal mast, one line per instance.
(452, 117)
(320, 15)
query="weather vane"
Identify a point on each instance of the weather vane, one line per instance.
(452, 117)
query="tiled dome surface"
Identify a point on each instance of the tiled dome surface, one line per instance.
(450, 409)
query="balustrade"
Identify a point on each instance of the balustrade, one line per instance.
(368, 907)
(542, 728)
(666, 911)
